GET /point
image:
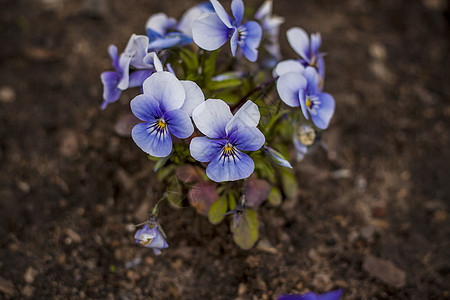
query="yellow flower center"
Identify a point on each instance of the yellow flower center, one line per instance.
(228, 149)
(308, 103)
(161, 124)
(146, 243)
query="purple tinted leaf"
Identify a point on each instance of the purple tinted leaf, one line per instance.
(202, 196)
(256, 191)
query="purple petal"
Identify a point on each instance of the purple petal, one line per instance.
(221, 13)
(194, 96)
(316, 40)
(160, 23)
(251, 32)
(204, 149)
(321, 67)
(211, 117)
(299, 41)
(237, 7)
(234, 42)
(312, 79)
(165, 88)
(302, 99)
(324, 112)
(165, 43)
(333, 295)
(247, 138)
(138, 77)
(110, 91)
(145, 108)
(151, 141)
(179, 123)
(113, 53)
(288, 87)
(230, 168)
(209, 32)
(124, 70)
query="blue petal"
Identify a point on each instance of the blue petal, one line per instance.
(299, 41)
(160, 23)
(138, 77)
(113, 53)
(124, 70)
(211, 118)
(209, 32)
(288, 87)
(164, 43)
(237, 7)
(204, 149)
(230, 168)
(145, 108)
(251, 40)
(247, 138)
(179, 123)
(324, 112)
(302, 99)
(333, 295)
(321, 67)
(165, 88)
(300, 149)
(151, 141)
(312, 79)
(110, 91)
(152, 35)
(234, 42)
(221, 13)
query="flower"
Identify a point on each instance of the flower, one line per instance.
(333, 295)
(151, 237)
(135, 55)
(296, 90)
(303, 138)
(271, 27)
(226, 137)
(164, 108)
(210, 31)
(162, 33)
(307, 48)
(188, 18)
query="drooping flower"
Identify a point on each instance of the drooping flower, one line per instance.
(307, 48)
(136, 56)
(163, 33)
(271, 28)
(226, 136)
(303, 90)
(151, 237)
(333, 295)
(164, 108)
(277, 157)
(303, 138)
(211, 31)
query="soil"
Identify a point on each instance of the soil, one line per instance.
(371, 211)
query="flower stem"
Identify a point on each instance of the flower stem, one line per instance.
(257, 88)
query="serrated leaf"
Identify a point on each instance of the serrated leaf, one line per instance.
(245, 232)
(275, 197)
(217, 210)
(289, 183)
(174, 194)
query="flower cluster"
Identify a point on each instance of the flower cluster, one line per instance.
(206, 119)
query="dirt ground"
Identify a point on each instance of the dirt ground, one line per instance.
(372, 216)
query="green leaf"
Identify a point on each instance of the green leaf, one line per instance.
(174, 193)
(218, 210)
(209, 67)
(166, 172)
(245, 232)
(275, 197)
(263, 167)
(231, 201)
(224, 84)
(161, 162)
(289, 183)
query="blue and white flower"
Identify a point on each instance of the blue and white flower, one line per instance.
(211, 31)
(303, 138)
(277, 157)
(271, 28)
(307, 48)
(193, 13)
(296, 90)
(151, 237)
(226, 136)
(163, 33)
(165, 108)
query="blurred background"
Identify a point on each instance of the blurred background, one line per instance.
(371, 216)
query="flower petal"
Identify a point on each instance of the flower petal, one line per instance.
(152, 59)
(288, 87)
(316, 40)
(229, 168)
(265, 10)
(211, 117)
(160, 23)
(324, 112)
(299, 41)
(145, 108)
(138, 77)
(288, 66)
(124, 70)
(165, 88)
(251, 40)
(247, 115)
(312, 79)
(165, 42)
(209, 32)
(234, 42)
(110, 91)
(185, 24)
(113, 53)
(179, 123)
(302, 99)
(194, 96)
(221, 13)
(247, 138)
(204, 149)
(151, 141)
(237, 7)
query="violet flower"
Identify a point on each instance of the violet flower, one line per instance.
(333, 295)
(151, 238)
(226, 137)
(211, 31)
(162, 33)
(271, 27)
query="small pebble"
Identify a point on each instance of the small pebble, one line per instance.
(7, 94)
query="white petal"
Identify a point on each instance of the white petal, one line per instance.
(247, 115)
(288, 66)
(194, 96)
(165, 88)
(211, 117)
